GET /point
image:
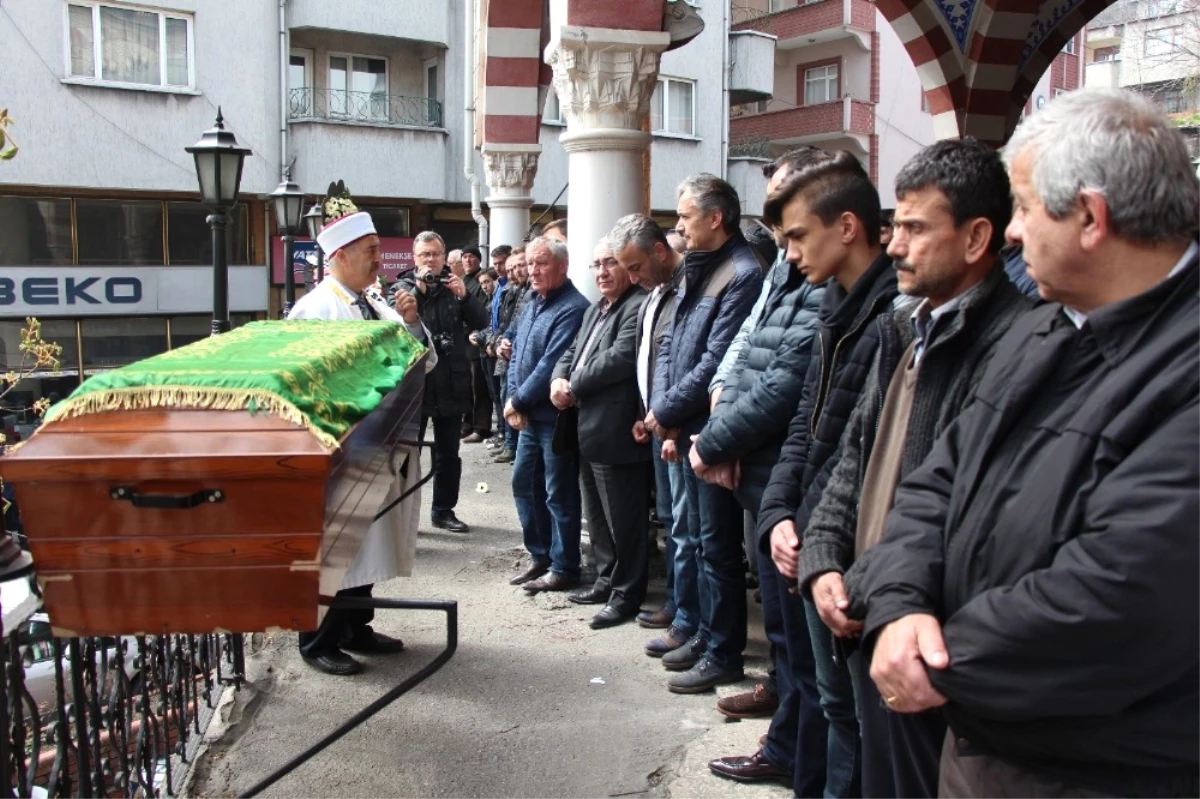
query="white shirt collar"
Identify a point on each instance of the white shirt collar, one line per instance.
(1079, 317)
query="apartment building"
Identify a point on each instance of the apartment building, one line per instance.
(101, 234)
(843, 81)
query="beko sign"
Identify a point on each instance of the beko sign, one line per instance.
(49, 291)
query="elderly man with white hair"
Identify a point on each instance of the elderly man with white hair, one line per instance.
(1037, 574)
(596, 378)
(545, 480)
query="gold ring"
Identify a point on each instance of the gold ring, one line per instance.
(891, 700)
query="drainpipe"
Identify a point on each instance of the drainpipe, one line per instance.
(284, 59)
(470, 13)
(726, 75)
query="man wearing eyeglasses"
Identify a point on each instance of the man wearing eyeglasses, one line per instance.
(597, 375)
(448, 310)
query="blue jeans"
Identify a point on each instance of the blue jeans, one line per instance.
(686, 556)
(663, 506)
(545, 490)
(835, 681)
(715, 517)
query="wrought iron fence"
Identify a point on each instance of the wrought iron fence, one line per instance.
(122, 713)
(386, 109)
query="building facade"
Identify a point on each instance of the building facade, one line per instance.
(101, 234)
(843, 81)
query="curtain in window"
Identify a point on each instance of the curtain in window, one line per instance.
(656, 107)
(680, 104)
(177, 52)
(370, 77)
(129, 45)
(82, 61)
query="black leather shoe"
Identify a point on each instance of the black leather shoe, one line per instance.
(611, 616)
(589, 596)
(335, 662)
(755, 768)
(373, 643)
(448, 521)
(535, 570)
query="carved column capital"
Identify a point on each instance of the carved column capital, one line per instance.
(511, 168)
(605, 78)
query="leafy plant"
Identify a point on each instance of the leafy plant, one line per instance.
(8, 145)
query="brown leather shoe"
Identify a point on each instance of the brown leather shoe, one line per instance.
(755, 768)
(535, 570)
(657, 619)
(762, 740)
(552, 581)
(757, 704)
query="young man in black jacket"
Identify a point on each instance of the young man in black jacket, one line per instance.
(1037, 574)
(952, 208)
(829, 215)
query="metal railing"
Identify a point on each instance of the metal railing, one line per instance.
(121, 715)
(348, 106)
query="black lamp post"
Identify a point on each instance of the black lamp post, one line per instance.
(219, 170)
(315, 219)
(288, 200)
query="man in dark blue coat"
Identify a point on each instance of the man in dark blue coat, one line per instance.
(722, 278)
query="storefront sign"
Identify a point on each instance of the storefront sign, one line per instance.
(49, 291)
(395, 254)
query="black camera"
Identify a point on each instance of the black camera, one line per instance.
(432, 279)
(443, 343)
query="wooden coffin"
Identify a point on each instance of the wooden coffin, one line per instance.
(195, 521)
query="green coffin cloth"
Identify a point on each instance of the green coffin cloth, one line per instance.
(324, 376)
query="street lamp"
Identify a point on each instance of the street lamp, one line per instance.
(219, 172)
(288, 200)
(315, 219)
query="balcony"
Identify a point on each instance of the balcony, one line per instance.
(370, 108)
(1106, 74)
(752, 74)
(845, 123)
(815, 22)
(414, 20)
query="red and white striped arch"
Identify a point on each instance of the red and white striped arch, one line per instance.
(981, 92)
(514, 77)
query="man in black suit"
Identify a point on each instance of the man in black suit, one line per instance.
(598, 375)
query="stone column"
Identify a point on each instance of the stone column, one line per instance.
(604, 79)
(510, 170)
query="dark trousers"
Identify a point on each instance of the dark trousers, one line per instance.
(338, 625)
(716, 522)
(493, 384)
(615, 503)
(799, 733)
(480, 419)
(448, 470)
(901, 752)
(664, 504)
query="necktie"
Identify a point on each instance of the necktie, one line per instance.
(368, 312)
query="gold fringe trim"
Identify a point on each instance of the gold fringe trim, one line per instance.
(202, 399)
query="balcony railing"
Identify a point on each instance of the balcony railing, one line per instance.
(804, 124)
(380, 109)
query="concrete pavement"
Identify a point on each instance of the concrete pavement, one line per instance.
(534, 703)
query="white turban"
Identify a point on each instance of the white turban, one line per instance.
(344, 230)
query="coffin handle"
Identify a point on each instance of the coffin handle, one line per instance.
(168, 501)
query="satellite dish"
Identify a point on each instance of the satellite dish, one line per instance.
(682, 22)
(1041, 101)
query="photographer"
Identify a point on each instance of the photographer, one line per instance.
(448, 311)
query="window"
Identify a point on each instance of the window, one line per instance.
(673, 107)
(1104, 54)
(1069, 47)
(776, 6)
(358, 87)
(552, 111)
(129, 46)
(389, 222)
(1162, 41)
(433, 91)
(119, 232)
(189, 237)
(1175, 99)
(35, 232)
(300, 83)
(1059, 92)
(821, 84)
(109, 343)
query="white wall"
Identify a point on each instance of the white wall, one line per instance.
(421, 20)
(903, 128)
(93, 137)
